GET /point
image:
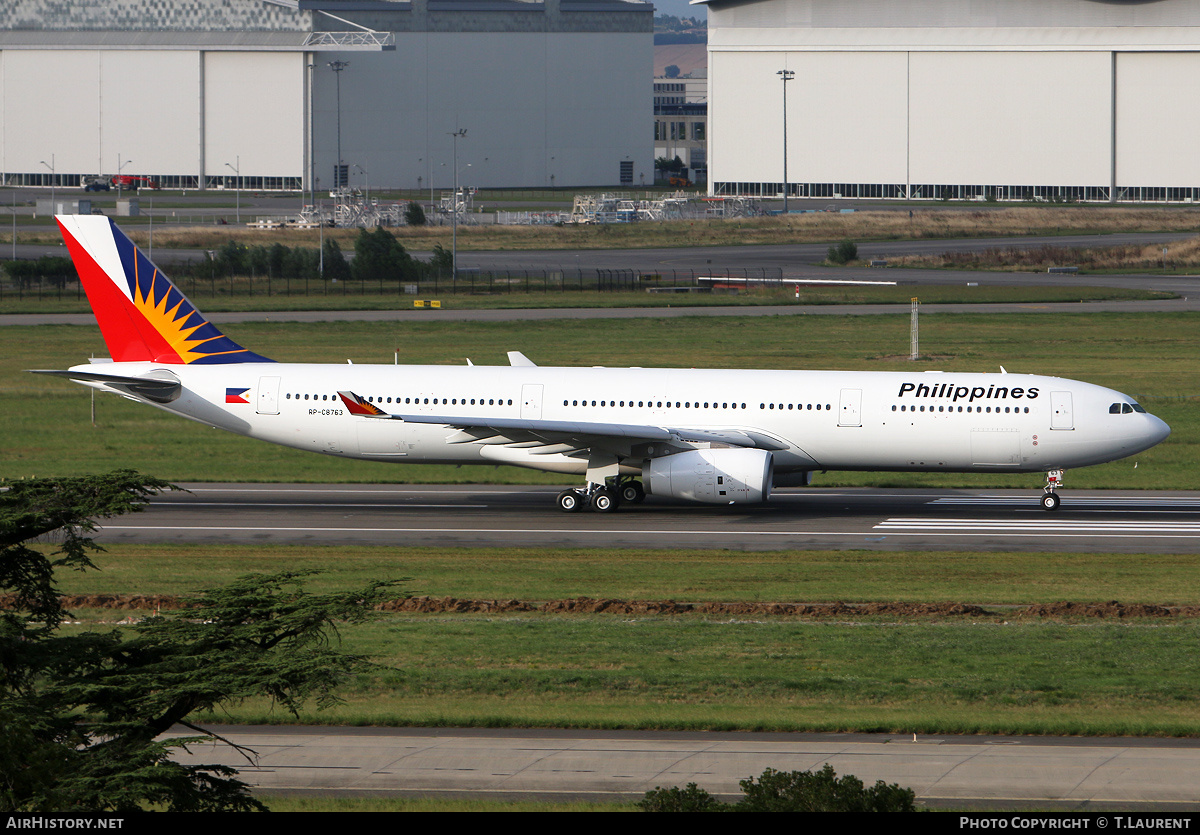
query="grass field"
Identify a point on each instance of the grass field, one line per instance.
(1180, 257)
(991, 673)
(1002, 579)
(71, 301)
(47, 431)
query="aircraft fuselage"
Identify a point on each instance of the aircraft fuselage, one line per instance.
(817, 420)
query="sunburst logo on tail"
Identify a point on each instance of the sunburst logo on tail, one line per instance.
(142, 314)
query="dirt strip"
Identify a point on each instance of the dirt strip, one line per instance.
(587, 605)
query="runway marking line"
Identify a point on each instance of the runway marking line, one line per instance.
(185, 505)
(1119, 534)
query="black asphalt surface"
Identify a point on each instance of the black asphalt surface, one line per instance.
(800, 518)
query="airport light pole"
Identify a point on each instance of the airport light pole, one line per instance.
(367, 181)
(237, 184)
(120, 166)
(785, 76)
(454, 209)
(337, 67)
(53, 177)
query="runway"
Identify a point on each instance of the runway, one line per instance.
(829, 518)
(982, 772)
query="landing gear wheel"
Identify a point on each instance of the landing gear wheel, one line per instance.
(570, 501)
(1050, 501)
(632, 492)
(603, 501)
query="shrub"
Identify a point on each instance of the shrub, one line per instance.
(51, 268)
(821, 791)
(674, 799)
(789, 791)
(843, 253)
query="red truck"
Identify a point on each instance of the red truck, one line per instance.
(130, 182)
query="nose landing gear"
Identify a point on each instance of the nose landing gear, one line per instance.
(1050, 499)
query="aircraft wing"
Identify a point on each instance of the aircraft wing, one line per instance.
(615, 437)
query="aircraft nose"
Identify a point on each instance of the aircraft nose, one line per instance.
(1156, 430)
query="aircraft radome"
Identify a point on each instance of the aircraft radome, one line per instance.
(715, 436)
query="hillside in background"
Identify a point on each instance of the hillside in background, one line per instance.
(669, 29)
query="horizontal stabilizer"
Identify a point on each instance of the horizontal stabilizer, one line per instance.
(158, 389)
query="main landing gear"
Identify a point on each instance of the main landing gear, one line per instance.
(1050, 499)
(601, 498)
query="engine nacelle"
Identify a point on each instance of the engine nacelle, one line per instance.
(715, 476)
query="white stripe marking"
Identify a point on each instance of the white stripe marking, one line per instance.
(638, 532)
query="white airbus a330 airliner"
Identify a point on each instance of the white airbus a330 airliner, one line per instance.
(715, 436)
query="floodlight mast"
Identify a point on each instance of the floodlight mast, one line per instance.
(337, 67)
(785, 76)
(454, 209)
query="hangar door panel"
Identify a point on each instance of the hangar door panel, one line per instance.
(823, 145)
(1156, 129)
(33, 80)
(1022, 118)
(149, 94)
(259, 93)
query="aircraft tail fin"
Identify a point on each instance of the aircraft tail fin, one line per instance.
(142, 315)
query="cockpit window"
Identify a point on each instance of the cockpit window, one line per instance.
(1125, 409)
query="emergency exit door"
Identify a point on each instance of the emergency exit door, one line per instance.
(1061, 416)
(850, 410)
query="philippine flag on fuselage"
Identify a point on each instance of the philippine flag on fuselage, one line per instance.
(236, 395)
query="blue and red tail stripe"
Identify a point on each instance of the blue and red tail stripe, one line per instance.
(142, 315)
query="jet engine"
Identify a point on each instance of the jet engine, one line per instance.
(715, 476)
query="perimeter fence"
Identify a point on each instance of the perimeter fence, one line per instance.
(470, 281)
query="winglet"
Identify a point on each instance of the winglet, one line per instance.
(358, 406)
(142, 315)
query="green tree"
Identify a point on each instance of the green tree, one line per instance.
(442, 262)
(670, 166)
(232, 258)
(414, 215)
(82, 713)
(302, 262)
(336, 268)
(379, 256)
(277, 255)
